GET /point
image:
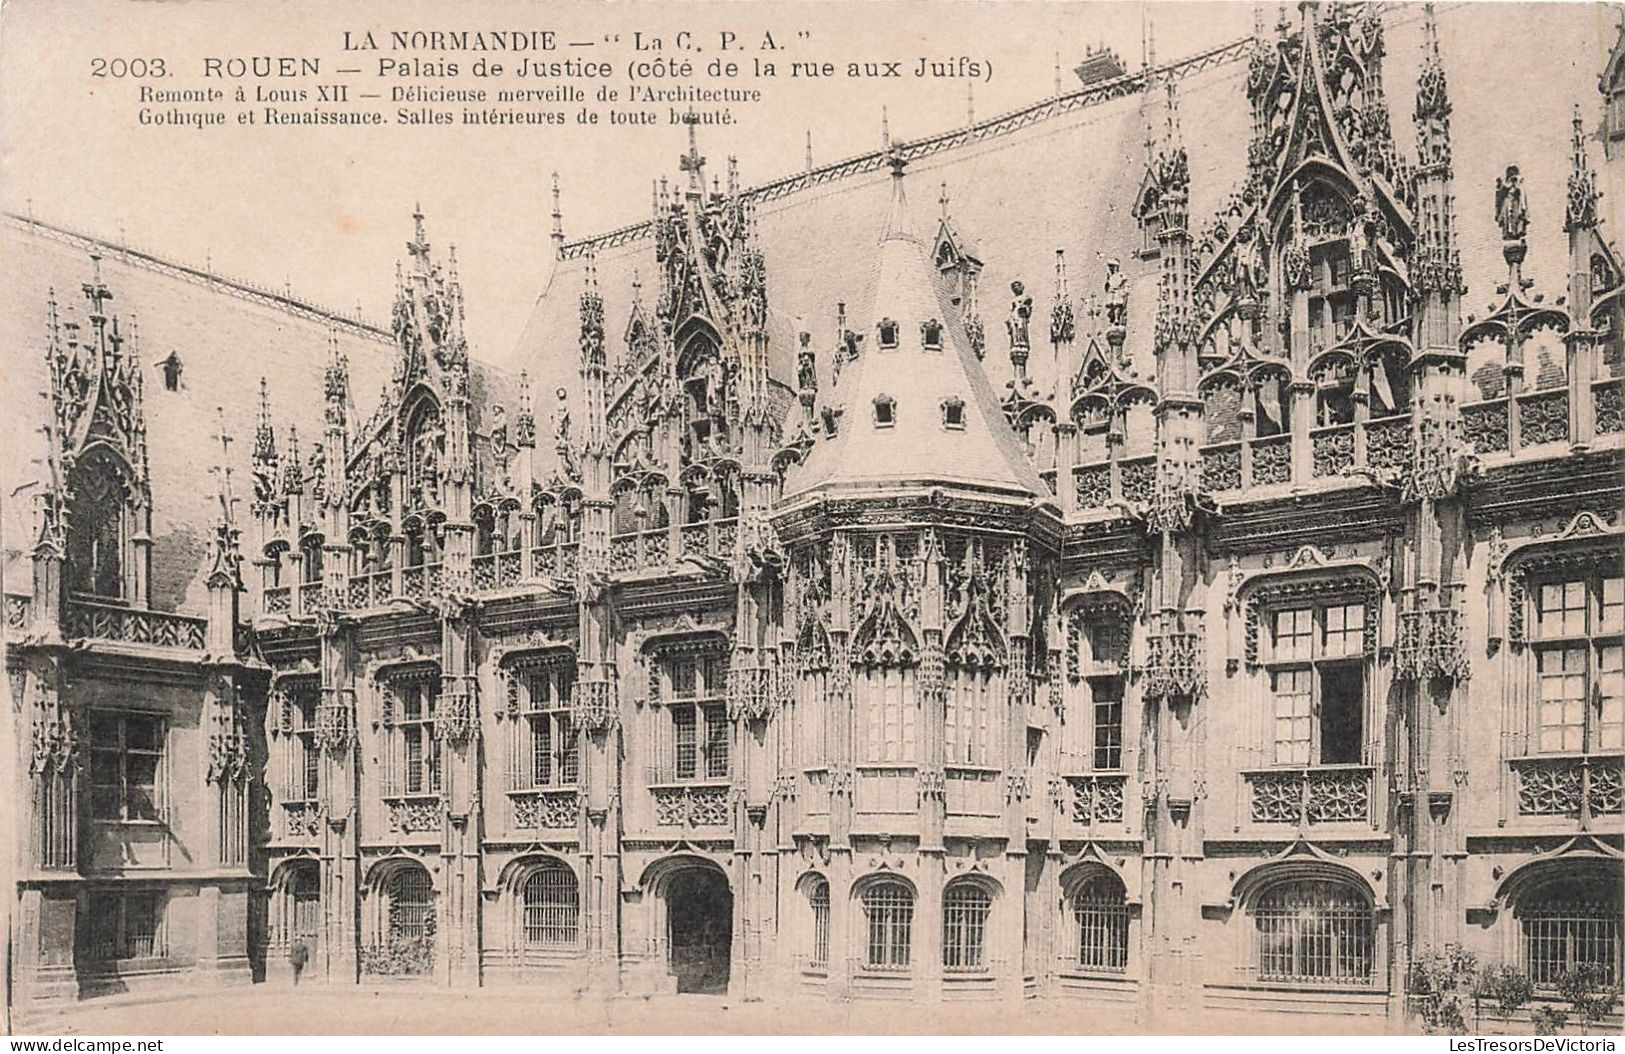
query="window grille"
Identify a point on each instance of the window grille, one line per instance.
(124, 926)
(411, 904)
(1101, 913)
(818, 899)
(552, 908)
(1571, 924)
(965, 909)
(1315, 933)
(889, 909)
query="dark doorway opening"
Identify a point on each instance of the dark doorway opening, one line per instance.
(699, 910)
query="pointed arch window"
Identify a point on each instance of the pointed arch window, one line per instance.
(97, 529)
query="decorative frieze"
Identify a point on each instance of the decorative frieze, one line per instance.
(691, 806)
(552, 809)
(414, 815)
(1097, 799)
(1315, 795)
(1560, 786)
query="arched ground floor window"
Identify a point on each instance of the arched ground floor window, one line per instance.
(402, 923)
(1570, 922)
(552, 907)
(1313, 932)
(965, 909)
(888, 910)
(1100, 917)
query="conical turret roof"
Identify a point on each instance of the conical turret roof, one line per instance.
(915, 408)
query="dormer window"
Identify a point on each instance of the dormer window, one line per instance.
(888, 335)
(953, 413)
(832, 422)
(931, 335)
(885, 411)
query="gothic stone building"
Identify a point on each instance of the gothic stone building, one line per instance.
(1232, 621)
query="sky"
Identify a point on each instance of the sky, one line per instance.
(326, 212)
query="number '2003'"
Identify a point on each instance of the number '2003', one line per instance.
(128, 68)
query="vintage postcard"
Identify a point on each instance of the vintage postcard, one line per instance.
(812, 517)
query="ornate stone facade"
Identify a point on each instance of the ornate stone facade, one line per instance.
(753, 643)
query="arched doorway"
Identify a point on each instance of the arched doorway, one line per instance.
(699, 922)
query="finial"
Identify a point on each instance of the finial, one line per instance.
(942, 200)
(558, 214)
(1057, 71)
(692, 162)
(1581, 213)
(885, 129)
(970, 104)
(1149, 46)
(809, 150)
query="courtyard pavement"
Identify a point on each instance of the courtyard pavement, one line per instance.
(319, 1010)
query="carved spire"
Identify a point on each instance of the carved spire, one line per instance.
(264, 455)
(1432, 99)
(293, 475)
(558, 218)
(592, 319)
(525, 418)
(1062, 323)
(692, 162)
(335, 381)
(226, 568)
(1581, 214)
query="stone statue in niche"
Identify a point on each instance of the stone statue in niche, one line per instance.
(1021, 314)
(1116, 295)
(1511, 211)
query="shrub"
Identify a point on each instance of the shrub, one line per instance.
(1548, 1020)
(1436, 983)
(1591, 998)
(1505, 988)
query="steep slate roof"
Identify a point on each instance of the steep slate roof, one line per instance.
(915, 448)
(227, 335)
(1063, 173)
